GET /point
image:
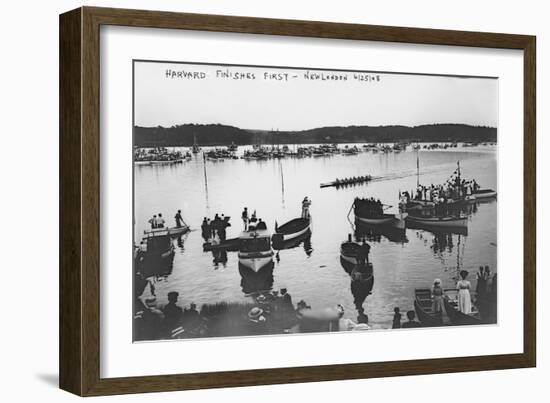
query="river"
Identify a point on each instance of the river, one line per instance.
(275, 188)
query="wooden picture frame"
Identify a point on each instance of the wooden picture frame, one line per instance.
(79, 346)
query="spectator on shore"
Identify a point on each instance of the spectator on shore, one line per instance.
(411, 323)
(172, 312)
(396, 319)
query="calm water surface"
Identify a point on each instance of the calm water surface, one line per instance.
(275, 189)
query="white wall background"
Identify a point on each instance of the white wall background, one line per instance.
(29, 196)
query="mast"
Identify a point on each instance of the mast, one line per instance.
(417, 171)
(205, 179)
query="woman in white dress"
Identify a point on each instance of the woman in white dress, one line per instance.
(464, 299)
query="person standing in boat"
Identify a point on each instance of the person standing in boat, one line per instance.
(160, 221)
(153, 222)
(363, 254)
(437, 292)
(306, 203)
(464, 299)
(261, 225)
(179, 219)
(244, 217)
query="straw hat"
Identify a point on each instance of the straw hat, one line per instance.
(255, 313)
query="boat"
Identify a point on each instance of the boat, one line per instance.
(255, 249)
(254, 282)
(172, 231)
(485, 193)
(291, 229)
(372, 213)
(423, 305)
(304, 239)
(347, 181)
(155, 254)
(348, 254)
(456, 317)
(460, 221)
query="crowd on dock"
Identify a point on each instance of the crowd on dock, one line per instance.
(268, 313)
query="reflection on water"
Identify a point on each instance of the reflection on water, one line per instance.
(309, 267)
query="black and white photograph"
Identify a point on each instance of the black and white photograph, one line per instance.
(273, 200)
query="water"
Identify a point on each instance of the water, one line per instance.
(275, 189)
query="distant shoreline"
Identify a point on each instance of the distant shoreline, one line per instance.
(223, 135)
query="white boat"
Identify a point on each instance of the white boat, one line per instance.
(391, 220)
(440, 222)
(485, 193)
(255, 249)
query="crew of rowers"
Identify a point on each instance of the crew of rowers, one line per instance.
(352, 180)
(370, 207)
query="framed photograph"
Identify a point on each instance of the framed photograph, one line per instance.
(249, 201)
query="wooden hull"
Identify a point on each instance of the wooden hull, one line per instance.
(458, 318)
(348, 255)
(279, 244)
(423, 306)
(172, 231)
(485, 194)
(255, 261)
(294, 229)
(166, 162)
(439, 222)
(391, 220)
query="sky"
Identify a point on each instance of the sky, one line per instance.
(272, 98)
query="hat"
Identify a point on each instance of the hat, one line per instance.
(437, 281)
(255, 313)
(150, 302)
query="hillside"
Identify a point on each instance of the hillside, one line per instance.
(216, 134)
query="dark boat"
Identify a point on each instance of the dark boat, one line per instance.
(291, 229)
(348, 255)
(371, 213)
(455, 316)
(155, 254)
(423, 305)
